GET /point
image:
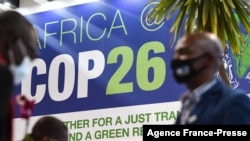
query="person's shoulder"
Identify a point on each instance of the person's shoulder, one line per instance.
(239, 96)
(248, 94)
(230, 94)
(228, 91)
(240, 92)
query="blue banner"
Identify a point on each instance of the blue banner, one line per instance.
(104, 54)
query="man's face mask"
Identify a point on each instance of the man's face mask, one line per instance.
(183, 69)
(19, 71)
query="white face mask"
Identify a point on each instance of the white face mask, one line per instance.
(19, 71)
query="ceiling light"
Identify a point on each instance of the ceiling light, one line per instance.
(10, 3)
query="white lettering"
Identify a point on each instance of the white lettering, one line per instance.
(85, 73)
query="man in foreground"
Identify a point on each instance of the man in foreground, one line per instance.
(208, 100)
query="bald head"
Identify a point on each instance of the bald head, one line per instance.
(205, 42)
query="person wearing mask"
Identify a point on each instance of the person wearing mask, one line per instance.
(18, 47)
(208, 100)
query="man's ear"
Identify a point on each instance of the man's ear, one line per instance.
(210, 59)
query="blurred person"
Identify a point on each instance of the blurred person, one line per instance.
(208, 100)
(18, 47)
(48, 128)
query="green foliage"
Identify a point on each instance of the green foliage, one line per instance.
(218, 16)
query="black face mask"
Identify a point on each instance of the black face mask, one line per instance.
(183, 69)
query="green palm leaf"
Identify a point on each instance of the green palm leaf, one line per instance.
(222, 17)
(205, 15)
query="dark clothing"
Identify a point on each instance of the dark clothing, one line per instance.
(6, 86)
(220, 105)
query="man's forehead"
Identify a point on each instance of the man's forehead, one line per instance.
(187, 46)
